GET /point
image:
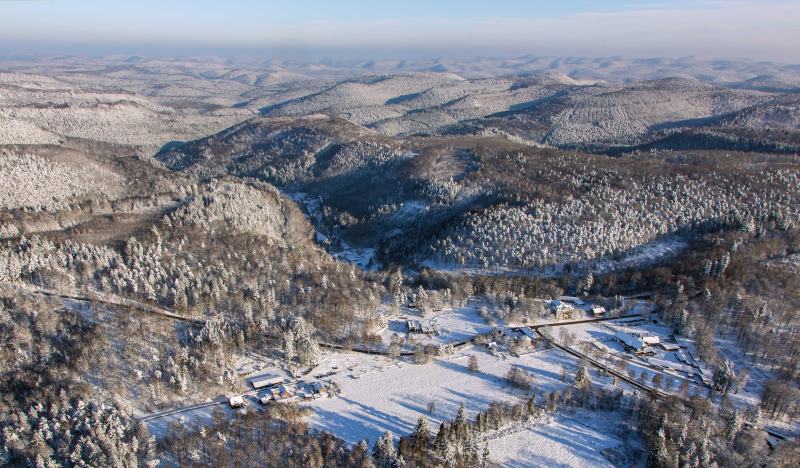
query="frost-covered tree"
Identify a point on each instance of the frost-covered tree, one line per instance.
(384, 452)
(724, 376)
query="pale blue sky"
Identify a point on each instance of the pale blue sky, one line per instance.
(715, 28)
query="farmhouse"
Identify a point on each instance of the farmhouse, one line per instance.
(650, 340)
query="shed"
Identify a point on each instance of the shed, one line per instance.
(528, 332)
(598, 311)
(428, 329)
(236, 401)
(651, 340)
(414, 326)
(669, 346)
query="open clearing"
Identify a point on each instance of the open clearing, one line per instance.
(568, 440)
(379, 395)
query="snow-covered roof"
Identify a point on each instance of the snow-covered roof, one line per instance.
(266, 380)
(651, 339)
(629, 340)
(571, 299)
(598, 310)
(237, 400)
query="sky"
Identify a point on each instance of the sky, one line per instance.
(756, 30)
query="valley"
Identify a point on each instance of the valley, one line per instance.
(528, 262)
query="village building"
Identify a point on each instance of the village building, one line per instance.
(598, 311)
(561, 310)
(629, 342)
(416, 326)
(266, 380)
(669, 346)
(528, 332)
(236, 401)
(571, 300)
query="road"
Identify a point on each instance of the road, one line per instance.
(636, 384)
(118, 301)
(599, 365)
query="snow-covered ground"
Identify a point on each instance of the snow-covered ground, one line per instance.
(379, 394)
(567, 440)
(644, 255)
(203, 415)
(638, 257)
(597, 339)
(364, 258)
(453, 325)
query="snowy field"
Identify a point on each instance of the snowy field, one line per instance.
(379, 395)
(576, 440)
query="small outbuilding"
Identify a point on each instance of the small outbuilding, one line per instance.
(669, 346)
(598, 311)
(414, 326)
(651, 340)
(236, 401)
(528, 332)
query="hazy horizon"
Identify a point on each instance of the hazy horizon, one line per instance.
(359, 30)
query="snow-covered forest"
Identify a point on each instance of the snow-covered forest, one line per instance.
(209, 263)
